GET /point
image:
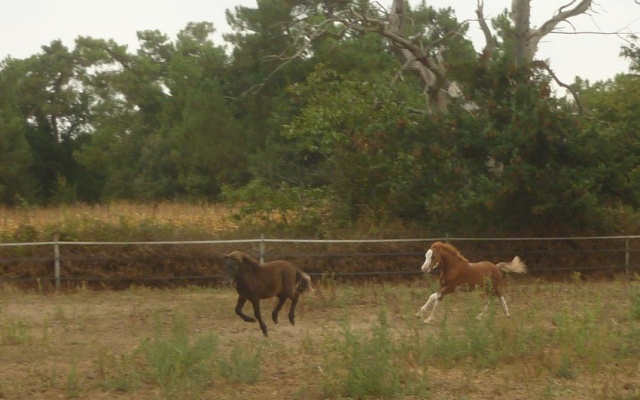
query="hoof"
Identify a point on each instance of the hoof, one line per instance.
(428, 320)
(292, 320)
(274, 318)
(479, 317)
(419, 314)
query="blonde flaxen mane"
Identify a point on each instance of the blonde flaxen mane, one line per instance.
(450, 249)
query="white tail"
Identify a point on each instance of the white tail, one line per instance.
(516, 265)
(304, 283)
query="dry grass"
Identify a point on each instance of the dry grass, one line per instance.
(569, 341)
(210, 217)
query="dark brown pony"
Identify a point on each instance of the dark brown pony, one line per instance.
(457, 273)
(255, 282)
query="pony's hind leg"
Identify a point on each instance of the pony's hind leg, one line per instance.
(479, 316)
(504, 307)
(292, 310)
(274, 314)
(239, 305)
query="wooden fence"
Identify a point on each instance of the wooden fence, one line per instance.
(72, 261)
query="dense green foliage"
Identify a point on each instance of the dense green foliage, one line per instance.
(322, 133)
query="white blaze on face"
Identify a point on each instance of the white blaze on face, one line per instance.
(427, 260)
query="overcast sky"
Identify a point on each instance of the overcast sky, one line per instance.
(26, 25)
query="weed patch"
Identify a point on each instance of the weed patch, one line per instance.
(634, 309)
(13, 332)
(243, 364)
(181, 368)
(366, 366)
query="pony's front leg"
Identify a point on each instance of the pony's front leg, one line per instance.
(435, 298)
(432, 299)
(256, 312)
(426, 305)
(239, 305)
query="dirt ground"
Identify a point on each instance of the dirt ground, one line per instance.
(67, 345)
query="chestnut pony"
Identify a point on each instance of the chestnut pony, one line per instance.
(255, 281)
(457, 273)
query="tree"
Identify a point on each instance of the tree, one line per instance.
(524, 160)
(527, 38)
(53, 117)
(366, 155)
(206, 142)
(479, 163)
(164, 111)
(418, 47)
(632, 52)
(17, 182)
(614, 105)
(423, 40)
(521, 162)
(127, 99)
(258, 76)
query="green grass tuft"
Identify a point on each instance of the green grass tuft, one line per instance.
(181, 368)
(243, 364)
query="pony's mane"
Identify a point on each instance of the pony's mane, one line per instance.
(449, 248)
(244, 258)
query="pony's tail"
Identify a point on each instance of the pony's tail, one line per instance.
(516, 265)
(303, 282)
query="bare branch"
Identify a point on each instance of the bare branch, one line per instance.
(546, 67)
(488, 37)
(562, 15)
(301, 45)
(533, 36)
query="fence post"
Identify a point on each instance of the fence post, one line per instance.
(56, 261)
(261, 248)
(626, 256)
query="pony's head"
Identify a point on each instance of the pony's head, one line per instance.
(431, 260)
(231, 266)
(439, 255)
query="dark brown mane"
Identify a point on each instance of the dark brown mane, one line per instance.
(245, 259)
(449, 248)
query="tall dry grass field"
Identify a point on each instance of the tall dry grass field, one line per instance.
(207, 217)
(564, 341)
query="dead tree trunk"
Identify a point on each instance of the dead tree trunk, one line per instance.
(432, 70)
(527, 38)
(429, 68)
